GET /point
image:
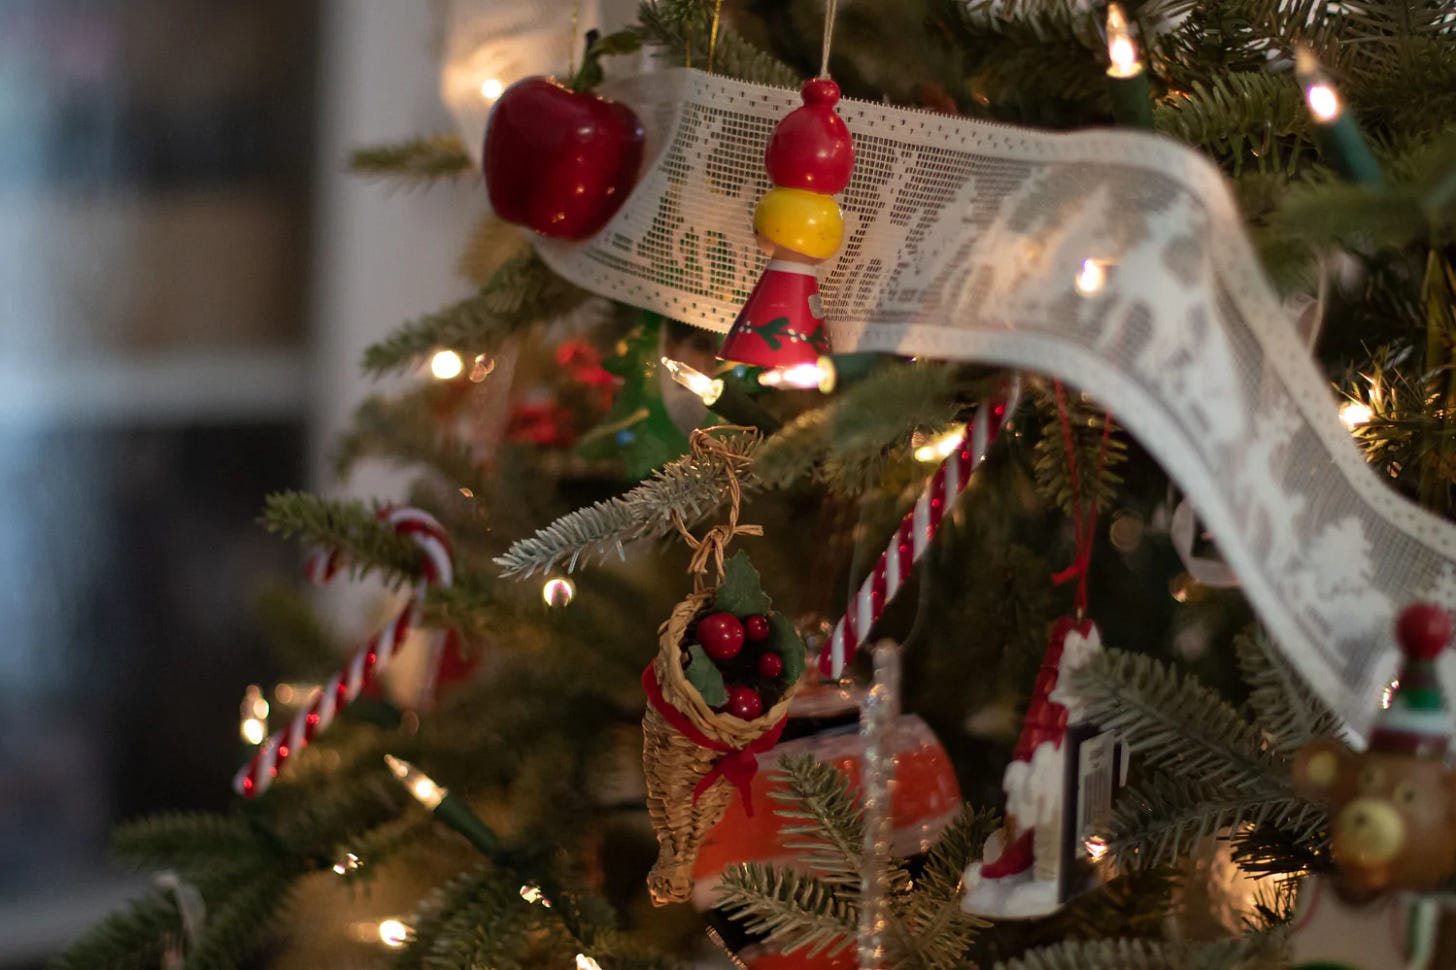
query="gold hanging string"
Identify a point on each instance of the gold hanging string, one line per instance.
(713, 32)
(831, 7)
(711, 547)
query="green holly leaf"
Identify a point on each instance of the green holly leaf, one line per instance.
(740, 593)
(785, 641)
(622, 42)
(705, 677)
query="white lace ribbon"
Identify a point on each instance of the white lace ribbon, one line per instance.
(1114, 260)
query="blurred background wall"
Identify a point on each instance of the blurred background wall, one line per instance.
(187, 280)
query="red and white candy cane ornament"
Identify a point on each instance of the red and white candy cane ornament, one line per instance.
(914, 535)
(367, 662)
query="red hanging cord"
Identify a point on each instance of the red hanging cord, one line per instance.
(1084, 523)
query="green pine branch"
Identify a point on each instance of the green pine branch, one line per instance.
(852, 441)
(824, 829)
(492, 241)
(407, 431)
(522, 291)
(1240, 116)
(422, 159)
(1128, 955)
(1285, 706)
(134, 938)
(688, 488)
(793, 910)
(823, 826)
(366, 541)
(186, 841)
(683, 31)
(1135, 904)
(1156, 820)
(1177, 723)
(958, 846)
(243, 922)
(1095, 462)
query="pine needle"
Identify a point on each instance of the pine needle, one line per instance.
(1156, 820)
(422, 159)
(690, 488)
(1177, 723)
(358, 533)
(1113, 955)
(682, 30)
(131, 939)
(1283, 703)
(1096, 463)
(823, 825)
(521, 292)
(792, 909)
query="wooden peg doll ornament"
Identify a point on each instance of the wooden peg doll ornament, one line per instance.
(798, 223)
(1392, 824)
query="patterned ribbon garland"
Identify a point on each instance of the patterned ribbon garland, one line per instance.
(913, 537)
(437, 567)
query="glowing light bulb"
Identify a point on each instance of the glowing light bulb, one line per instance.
(491, 88)
(254, 730)
(533, 894)
(940, 447)
(1387, 695)
(346, 865)
(481, 368)
(1122, 52)
(393, 933)
(1096, 847)
(1324, 103)
(819, 374)
(1353, 414)
(694, 380)
(584, 962)
(1319, 94)
(446, 364)
(254, 709)
(419, 784)
(1091, 277)
(558, 591)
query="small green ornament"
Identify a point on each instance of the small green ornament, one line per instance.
(637, 428)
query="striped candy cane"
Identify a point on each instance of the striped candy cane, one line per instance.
(916, 531)
(369, 660)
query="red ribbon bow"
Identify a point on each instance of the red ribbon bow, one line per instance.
(738, 765)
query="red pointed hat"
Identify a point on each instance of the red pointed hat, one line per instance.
(781, 325)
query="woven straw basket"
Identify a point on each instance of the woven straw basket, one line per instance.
(674, 764)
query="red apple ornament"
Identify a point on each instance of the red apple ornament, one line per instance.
(744, 703)
(721, 635)
(769, 665)
(559, 161)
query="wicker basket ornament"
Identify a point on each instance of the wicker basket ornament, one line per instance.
(696, 759)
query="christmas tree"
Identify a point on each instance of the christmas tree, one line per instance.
(1052, 317)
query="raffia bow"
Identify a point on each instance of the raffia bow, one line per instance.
(714, 543)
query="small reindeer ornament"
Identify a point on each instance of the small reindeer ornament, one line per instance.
(1392, 823)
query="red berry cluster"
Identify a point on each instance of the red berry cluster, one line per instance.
(751, 675)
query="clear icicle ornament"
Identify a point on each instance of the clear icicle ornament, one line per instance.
(879, 711)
